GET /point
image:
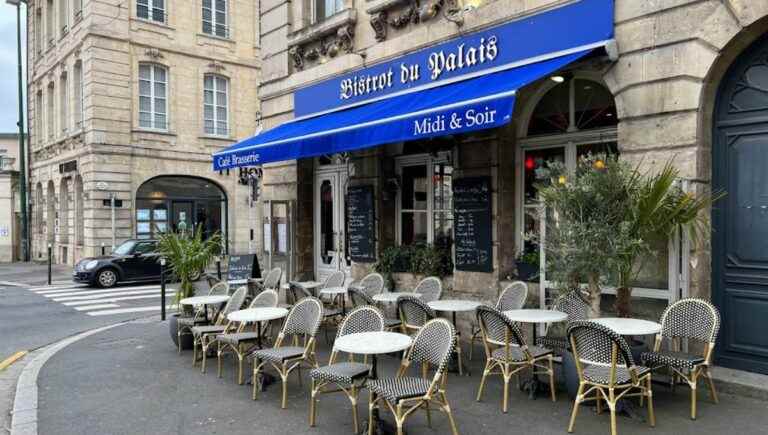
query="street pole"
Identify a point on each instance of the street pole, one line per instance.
(162, 288)
(50, 260)
(22, 151)
(112, 206)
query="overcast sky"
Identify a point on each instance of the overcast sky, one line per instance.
(8, 74)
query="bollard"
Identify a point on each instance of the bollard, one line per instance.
(102, 249)
(162, 289)
(218, 268)
(50, 259)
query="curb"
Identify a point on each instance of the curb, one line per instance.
(24, 414)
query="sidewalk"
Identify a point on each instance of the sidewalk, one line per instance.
(131, 380)
(33, 274)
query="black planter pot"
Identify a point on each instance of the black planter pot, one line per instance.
(173, 328)
(570, 374)
(527, 271)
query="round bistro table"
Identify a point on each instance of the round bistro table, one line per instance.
(373, 344)
(535, 316)
(392, 297)
(257, 315)
(454, 306)
(334, 293)
(628, 326)
(204, 301)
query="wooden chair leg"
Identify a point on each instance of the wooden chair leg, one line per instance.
(447, 409)
(482, 380)
(552, 379)
(649, 392)
(576, 403)
(711, 383)
(284, 377)
(371, 405)
(313, 404)
(353, 400)
(612, 406)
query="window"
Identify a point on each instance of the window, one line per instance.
(151, 10)
(63, 16)
(215, 18)
(63, 104)
(326, 8)
(153, 83)
(39, 31)
(77, 9)
(39, 123)
(49, 115)
(79, 95)
(215, 105)
(426, 200)
(574, 105)
(49, 25)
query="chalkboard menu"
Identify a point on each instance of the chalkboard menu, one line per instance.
(243, 267)
(361, 224)
(472, 224)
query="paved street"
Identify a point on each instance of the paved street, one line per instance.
(131, 380)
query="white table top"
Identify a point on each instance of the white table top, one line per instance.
(626, 326)
(257, 314)
(393, 296)
(204, 300)
(452, 305)
(372, 343)
(333, 291)
(533, 315)
(244, 281)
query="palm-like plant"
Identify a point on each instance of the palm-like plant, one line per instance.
(656, 208)
(188, 253)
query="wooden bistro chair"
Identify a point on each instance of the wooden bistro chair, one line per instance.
(199, 316)
(203, 335)
(359, 299)
(240, 341)
(414, 314)
(573, 304)
(507, 352)
(430, 289)
(696, 320)
(332, 311)
(372, 284)
(349, 376)
(272, 280)
(513, 297)
(606, 370)
(403, 395)
(303, 321)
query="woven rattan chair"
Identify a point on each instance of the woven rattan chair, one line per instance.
(272, 280)
(349, 376)
(303, 321)
(360, 299)
(402, 394)
(507, 352)
(199, 317)
(332, 312)
(414, 313)
(203, 335)
(295, 293)
(573, 304)
(511, 298)
(372, 284)
(692, 319)
(606, 370)
(240, 341)
(430, 289)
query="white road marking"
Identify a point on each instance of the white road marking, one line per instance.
(127, 298)
(96, 307)
(72, 292)
(54, 287)
(58, 298)
(127, 310)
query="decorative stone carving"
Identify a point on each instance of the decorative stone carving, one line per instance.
(325, 39)
(297, 54)
(379, 24)
(411, 14)
(345, 37)
(216, 66)
(153, 53)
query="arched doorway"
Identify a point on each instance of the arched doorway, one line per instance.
(740, 220)
(172, 203)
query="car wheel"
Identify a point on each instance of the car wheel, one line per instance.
(106, 278)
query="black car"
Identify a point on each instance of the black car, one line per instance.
(133, 260)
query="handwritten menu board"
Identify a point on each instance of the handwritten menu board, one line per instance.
(361, 224)
(243, 267)
(472, 224)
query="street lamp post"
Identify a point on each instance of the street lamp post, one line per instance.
(22, 151)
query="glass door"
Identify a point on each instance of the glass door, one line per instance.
(330, 219)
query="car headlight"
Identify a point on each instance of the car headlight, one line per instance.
(91, 264)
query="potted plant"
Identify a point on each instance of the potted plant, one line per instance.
(187, 253)
(419, 260)
(527, 265)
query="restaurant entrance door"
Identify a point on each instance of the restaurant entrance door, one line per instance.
(330, 221)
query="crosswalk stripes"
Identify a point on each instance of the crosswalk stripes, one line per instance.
(104, 302)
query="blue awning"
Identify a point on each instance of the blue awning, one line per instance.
(478, 103)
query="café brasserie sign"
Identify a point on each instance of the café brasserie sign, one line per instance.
(572, 27)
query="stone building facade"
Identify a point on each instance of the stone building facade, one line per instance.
(10, 218)
(123, 92)
(679, 72)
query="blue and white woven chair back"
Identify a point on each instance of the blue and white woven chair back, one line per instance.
(304, 318)
(513, 296)
(573, 304)
(265, 299)
(362, 319)
(335, 279)
(430, 289)
(414, 311)
(272, 280)
(691, 318)
(359, 298)
(498, 328)
(434, 344)
(594, 344)
(372, 284)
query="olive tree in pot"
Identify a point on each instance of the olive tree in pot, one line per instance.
(187, 254)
